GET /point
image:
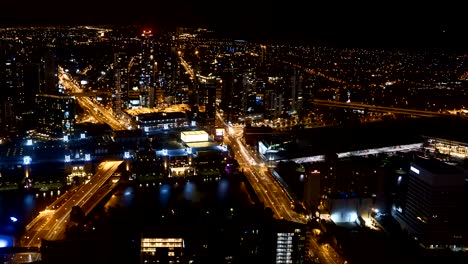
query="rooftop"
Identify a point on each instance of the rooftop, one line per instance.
(193, 133)
(436, 166)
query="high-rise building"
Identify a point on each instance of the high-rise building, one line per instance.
(228, 89)
(290, 242)
(49, 68)
(147, 65)
(312, 191)
(432, 207)
(122, 66)
(207, 97)
(55, 115)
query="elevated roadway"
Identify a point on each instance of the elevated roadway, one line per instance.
(384, 109)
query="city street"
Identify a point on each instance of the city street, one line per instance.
(265, 185)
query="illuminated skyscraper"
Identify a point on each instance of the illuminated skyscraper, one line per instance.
(147, 63)
(12, 89)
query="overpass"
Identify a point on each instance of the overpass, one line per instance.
(384, 109)
(88, 94)
(51, 223)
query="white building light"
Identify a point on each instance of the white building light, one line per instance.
(27, 160)
(413, 169)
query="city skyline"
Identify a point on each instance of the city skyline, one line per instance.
(127, 143)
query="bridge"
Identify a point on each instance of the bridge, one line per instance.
(51, 223)
(384, 109)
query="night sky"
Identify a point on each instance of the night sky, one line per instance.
(385, 23)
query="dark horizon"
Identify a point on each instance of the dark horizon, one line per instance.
(387, 25)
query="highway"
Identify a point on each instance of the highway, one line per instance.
(376, 108)
(259, 176)
(187, 67)
(50, 224)
(99, 112)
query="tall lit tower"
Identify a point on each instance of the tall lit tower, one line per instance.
(49, 84)
(147, 64)
(117, 94)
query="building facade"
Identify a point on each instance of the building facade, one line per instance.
(432, 207)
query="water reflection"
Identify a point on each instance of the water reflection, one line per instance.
(29, 206)
(164, 194)
(128, 196)
(6, 241)
(222, 190)
(190, 192)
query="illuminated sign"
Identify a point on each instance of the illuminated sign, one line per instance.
(219, 132)
(194, 136)
(193, 123)
(166, 126)
(126, 155)
(189, 150)
(164, 152)
(67, 158)
(413, 169)
(87, 157)
(82, 135)
(65, 138)
(29, 142)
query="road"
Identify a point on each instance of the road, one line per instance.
(187, 68)
(50, 224)
(259, 176)
(384, 109)
(325, 253)
(99, 112)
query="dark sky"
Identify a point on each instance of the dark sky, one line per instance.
(382, 23)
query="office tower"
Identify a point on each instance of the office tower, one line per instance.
(12, 89)
(55, 115)
(432, 207)
(122, 66)
(49, 68)
(312, 190)
(207, 97)
(147, 64)
(228, 90)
